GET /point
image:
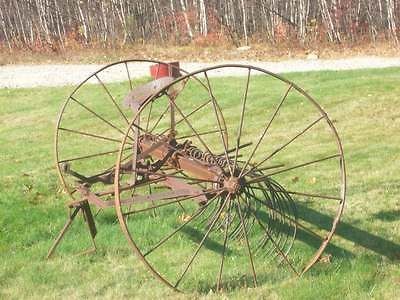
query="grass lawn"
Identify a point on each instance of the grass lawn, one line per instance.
(365, 108)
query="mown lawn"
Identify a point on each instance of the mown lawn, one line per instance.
(365, 107)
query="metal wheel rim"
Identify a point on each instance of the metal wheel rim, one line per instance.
(328, 237)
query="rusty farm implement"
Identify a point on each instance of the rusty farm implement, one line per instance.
(218, 176)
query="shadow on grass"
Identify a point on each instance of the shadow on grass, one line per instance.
(360, 237)
(388, 215)
(351, 233)
(308, 238)
(196, 236)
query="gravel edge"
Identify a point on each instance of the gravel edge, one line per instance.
(27, 76)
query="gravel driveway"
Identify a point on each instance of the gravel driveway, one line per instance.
(19, 76)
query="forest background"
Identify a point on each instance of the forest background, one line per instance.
(184, 28)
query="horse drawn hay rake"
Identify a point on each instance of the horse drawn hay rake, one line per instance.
(215, 179)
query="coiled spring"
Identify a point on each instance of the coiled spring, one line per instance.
(196, 153)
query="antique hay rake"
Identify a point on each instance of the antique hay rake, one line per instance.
(214, 180)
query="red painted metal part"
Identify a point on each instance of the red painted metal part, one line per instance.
(160, 70)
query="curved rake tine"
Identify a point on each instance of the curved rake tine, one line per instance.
(263, 241)
(228, 222)
(248, 246)
(278, 201)
(289, 218)
(275, 220)
(277, 248)
(200, 245)
(292, 220)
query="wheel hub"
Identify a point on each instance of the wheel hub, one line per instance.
(232, 185)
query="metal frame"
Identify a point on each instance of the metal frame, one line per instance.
(231, 183)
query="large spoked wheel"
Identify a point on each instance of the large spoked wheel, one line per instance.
(91, 124)
(246, 175)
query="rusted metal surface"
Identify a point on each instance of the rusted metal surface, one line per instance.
(170, 164)
(143, 92)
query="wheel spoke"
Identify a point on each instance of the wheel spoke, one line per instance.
(98, 116)
(200, 244)
(198, 213)
(191, 127)
(171, 202)
(201, 133)
(129, 76)
(247, 243)
(311, 195)
(241, 119)
(128, 187)
(286, 144)
(89, 156)
(149, 115)
(266, 168)
(266, 128)
(263, 177)
(175, 176)
(219, 123)
(188, 115)
(240, 147)
(90, 135)
(271, 167)
(112, 98)
(159, 120)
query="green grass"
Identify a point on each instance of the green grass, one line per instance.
(365, 107)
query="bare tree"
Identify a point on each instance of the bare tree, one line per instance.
(189, 28)
(57, 23)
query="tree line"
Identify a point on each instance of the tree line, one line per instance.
(55, 23)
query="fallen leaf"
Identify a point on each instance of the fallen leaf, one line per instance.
(27, 188)
(184, 218)
(325, 259)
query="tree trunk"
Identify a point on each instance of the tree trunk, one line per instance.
(189, 28)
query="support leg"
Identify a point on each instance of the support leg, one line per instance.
(63, 231)
(89, 220)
